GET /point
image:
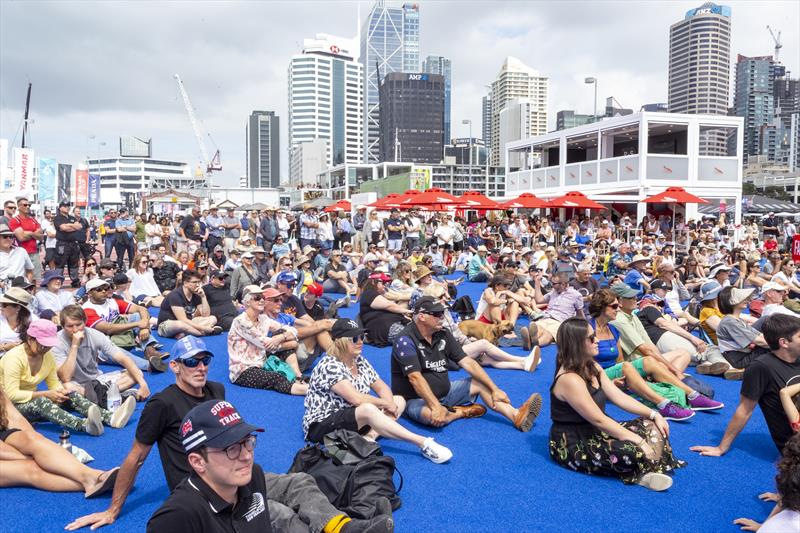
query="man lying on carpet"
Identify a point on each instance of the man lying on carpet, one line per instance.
(419, 374)
(763, 380)
(226, 490)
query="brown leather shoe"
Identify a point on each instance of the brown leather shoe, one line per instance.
(528, 412)
(473, 410)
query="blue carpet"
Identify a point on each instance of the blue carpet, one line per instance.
(498, 480)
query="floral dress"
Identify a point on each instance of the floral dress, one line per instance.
(580, 446)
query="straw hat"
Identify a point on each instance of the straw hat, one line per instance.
(421, 272)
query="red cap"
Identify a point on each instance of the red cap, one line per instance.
(315, 289)
(380, 276)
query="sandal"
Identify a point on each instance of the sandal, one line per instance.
(104, 486)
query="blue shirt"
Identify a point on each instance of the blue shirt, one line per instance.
(607, 349)
(125, 222)
(633, 279)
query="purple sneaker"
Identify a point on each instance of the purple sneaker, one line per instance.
(704, 403)
(673, 411)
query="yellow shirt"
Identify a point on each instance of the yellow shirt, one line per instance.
(15, 374)
(705, 314)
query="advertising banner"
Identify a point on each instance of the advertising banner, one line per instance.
(796, 248)
(23, 169)
(64, 182)
(48, 168)
(81, 187)
(94, 190)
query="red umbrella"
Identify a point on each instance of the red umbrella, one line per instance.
(387, 202)
(525, 200)
(341, 205)
(477, 200)
(430, 197)
(675, 195)
(574, 199)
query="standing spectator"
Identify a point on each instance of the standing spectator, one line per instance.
(86, 248)
(770, 225)
(28, 233)
(9, 210)
(152, 232)
(49, 230)
(359, 220)
(67, 248)
(789, 231)
(233, 228)
(109, 232)
(14, 261)
(308, 227)
(140, 235)
(412, 224)
(394, 231)
(189, 229)
(123, 242)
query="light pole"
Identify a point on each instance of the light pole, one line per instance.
(593, 81)
(469, 121)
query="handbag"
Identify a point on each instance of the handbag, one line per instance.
(275, 364)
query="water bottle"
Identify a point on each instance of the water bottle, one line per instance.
(64, 441)
(114, 399)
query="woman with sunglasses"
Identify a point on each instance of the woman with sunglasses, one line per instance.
(253, 338)
(144, 288)
(381, 317)
(152, 232)
(339, 397)
(25, 367)
(15, 316)
(584, 438)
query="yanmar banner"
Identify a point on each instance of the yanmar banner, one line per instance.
(23, 169)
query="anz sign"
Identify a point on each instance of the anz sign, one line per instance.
(418, 77)
(709, 9)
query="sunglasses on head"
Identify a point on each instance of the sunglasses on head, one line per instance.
(193, 362)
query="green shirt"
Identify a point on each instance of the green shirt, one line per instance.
(631, 334)
(140, 233)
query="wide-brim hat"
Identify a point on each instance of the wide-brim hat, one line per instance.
(300, 260)
(639, 258)
(17, 296)
(741, 295)
(710, 290)
(49, 276)
(421, 272)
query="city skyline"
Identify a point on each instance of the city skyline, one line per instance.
(109, 80)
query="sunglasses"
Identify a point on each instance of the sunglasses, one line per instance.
(193, 362)
(257, 298)
(437, 314)
(90, 264)
(614, 306)
(592, 338)
(104, 288)
(358, 338)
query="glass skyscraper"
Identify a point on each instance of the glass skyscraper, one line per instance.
(753, 98)
(389, 43)
(441, 65)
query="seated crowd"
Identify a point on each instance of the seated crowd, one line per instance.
(627, 311)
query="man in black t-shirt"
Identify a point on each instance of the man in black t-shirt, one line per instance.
(218, 294)
(190, 229)
(68, 230)
(762, 382)
(186, 310)
(419, 374)
(159, 424)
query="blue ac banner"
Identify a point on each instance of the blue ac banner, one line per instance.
(48, 171)
(94, 190)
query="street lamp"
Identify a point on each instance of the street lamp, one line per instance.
(593, 81)
(469, 121)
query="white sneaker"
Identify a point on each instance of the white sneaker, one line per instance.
(94, 421)
(435, 452)
(655, 481)
(123, 413)
(533, 360)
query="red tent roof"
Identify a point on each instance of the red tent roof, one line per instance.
(430, 197)
(575, 199)
(341, 205)
(525, 200)
(387, 202)
(477, 200)
(675, 195)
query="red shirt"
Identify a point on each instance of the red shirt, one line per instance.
(27, 224)
(770, 245)
(105, 312)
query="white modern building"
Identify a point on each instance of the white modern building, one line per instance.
(515, 124)
(517, 80)
(326, 99)
(620, 161)
(126, 176)
(306, 160)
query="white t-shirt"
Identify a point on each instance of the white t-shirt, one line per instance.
(142, 284)
(6, 333)
(786, 520)
(55, 301)
(445, 234)
(14, 263)
(47, 226)
(153, 233)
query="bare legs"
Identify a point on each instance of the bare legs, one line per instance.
(495, 357)
(368, 414)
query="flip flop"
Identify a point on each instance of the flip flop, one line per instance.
(106, 486)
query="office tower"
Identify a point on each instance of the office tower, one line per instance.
(441, 65)
(412, 117)
(263, 155)
(326, 99)
(389, 43)
(517, 81)
(753, 99)
(486, 119)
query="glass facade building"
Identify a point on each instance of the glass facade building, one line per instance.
(753, 98)
(263, 154)
(442, 65)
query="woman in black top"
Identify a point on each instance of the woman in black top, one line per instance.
(585, 439)
(381, 317)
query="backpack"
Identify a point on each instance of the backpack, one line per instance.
(464, 308)
(355, 485)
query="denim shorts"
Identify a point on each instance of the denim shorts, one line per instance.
(458, 395)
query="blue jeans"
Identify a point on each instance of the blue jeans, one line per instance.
(480, 276)
(458, 395)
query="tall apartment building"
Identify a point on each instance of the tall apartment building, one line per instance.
(389, 43)
(263, 153)
(442, 65)
(486, 119)
(753, 98)
(326, 99)
(517, 81)
(412, 117)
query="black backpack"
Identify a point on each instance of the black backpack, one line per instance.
(353, 486)
(464, 308)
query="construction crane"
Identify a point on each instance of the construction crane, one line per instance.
(777, 40)
(214, 163)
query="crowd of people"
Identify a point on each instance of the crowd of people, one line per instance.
(629, 307)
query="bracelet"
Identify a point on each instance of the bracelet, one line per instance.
(653, 414)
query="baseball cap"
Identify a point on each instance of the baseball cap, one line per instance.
(660, 284)
(95, 283)
(64, 204)
(315, 289)
(107, 263)
(252, 289)
(370, 257)
(44, 331)
(344, 327)
(219, 274)
(717, 268)
(120, 278)
(621, 290)
(188, 347)
(740, 295)
(286, 277)
(23, 283)
(429, 305)
(214, 424)
(247, 255)
(772, 286)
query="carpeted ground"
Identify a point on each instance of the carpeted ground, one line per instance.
(498, 480)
